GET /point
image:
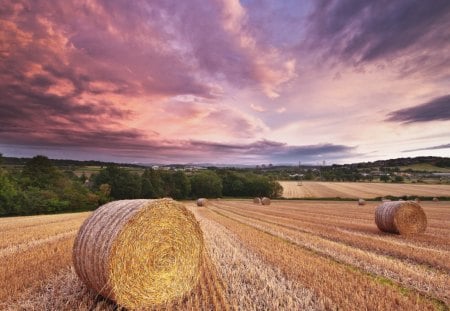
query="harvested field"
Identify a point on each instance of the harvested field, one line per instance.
(290, 255)
(316, 189)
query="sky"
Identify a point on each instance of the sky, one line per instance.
(225, 81)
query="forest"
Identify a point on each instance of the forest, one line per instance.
(40, 187)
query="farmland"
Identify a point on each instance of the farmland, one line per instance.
(309, 189)
(291, 255)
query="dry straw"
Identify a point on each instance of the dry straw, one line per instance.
(361, 202)
(257, 200)
(401, 217)
(265, 201)
(202, 202)
(139, 253)
(435, 200)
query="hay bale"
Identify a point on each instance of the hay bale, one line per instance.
(417, 200)
(257, 200)
(401, 217)
(139, 253)
(202, 202)
(385, 200)
(265, 201)
(435, 200)
(361, 202)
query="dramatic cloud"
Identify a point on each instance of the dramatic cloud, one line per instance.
(167, 81)
(446, 146)
(355, 31)
(438, 109)
(129, 146)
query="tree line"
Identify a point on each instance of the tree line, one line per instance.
(179, 185)
(39, 187)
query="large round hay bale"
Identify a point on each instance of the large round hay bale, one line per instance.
(257, 200)
(265, 201)
(401, 217)
(139, 253)
(417, 200)
(435, 200)
(202, 202)
(361, 202)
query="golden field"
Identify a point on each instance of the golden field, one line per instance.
(290, 255)
(317, 189)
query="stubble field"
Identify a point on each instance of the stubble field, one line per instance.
(291, 255)
(317, 189)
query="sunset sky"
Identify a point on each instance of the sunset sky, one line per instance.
(225, 81)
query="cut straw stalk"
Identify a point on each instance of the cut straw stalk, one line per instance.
(139, 253)
(403, 217)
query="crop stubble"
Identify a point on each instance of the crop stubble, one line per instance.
(345, 285)
(317, 189)
(289, 255)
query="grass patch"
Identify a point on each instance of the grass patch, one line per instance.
(425, 167)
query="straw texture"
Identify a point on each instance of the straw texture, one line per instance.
(401, 217)
(202, 202)
(139, 253)
(257, 200)
(265, 201)
(361, 202)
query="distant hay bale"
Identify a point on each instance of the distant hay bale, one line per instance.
(265, 201)
(257, 200)
(202, 202)
(417, 200)
(139, 253)
(401, 217)
(385, 200)
(435, 200)
(361, 202)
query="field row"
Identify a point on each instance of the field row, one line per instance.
(316, 189)
(291, 255)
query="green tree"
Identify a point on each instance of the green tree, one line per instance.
(124, 185)
(385, 178)
(34, 200)
(39, 172)
(176, 185)
(8, 194)
(309, 175)
(276, 189)
(236, 184)
(233, 184)
(444, 162)
(104, 193)
(206, 184)
(399, 179)
(151, 184)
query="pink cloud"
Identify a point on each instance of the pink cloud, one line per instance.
(165, 73)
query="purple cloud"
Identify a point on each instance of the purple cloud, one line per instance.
(446, 146)
(437, 109)
(357, 32)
